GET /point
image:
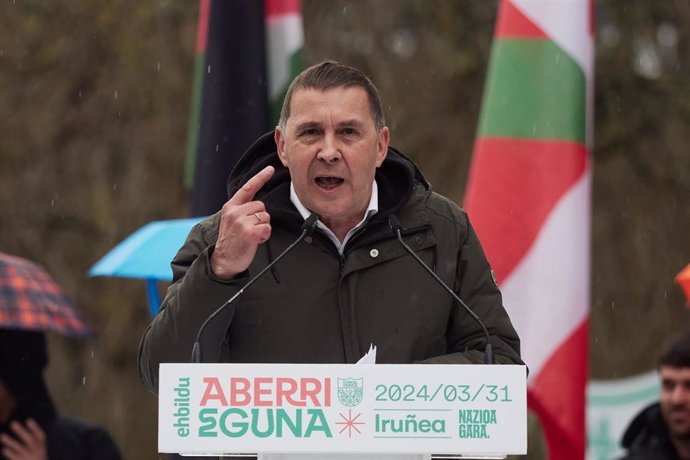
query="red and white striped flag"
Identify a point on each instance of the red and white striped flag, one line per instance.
(528, 197)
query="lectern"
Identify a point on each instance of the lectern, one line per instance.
(450, 411)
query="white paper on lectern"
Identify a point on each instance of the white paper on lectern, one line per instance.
(370, 356)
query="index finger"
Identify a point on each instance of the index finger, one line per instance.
(246, 193)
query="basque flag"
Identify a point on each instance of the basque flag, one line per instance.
(528, 196)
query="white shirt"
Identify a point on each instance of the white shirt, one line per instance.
(372, 209)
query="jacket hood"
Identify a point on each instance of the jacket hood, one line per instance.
(647, 428)
(396, 176)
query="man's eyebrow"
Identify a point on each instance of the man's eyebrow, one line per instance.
(353, 122)
(307, 125)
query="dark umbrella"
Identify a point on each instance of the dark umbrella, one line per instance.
(30, 299)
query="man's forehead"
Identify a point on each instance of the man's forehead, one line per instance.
(675, 373)
(349, 102)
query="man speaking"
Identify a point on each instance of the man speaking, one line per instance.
(347, 283)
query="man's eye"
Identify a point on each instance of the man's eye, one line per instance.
(349, 131)
(309, 132)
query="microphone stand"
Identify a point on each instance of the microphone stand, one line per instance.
(396, 228)
(307, 229)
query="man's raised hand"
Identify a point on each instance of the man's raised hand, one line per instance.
(244, 224)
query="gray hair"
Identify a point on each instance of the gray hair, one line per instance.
(329, 75)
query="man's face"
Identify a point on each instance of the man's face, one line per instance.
(675, 400)
(332, 149)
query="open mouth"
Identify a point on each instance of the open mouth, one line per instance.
(329, 182)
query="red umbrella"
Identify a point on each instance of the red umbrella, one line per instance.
(683, 280)
(30, 299)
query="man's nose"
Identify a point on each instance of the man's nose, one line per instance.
(680, 394)
(330, 151)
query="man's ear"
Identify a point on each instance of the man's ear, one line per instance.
(280, 145)
(382, 145)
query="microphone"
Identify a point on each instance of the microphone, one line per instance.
(394, 224)
(308, 228)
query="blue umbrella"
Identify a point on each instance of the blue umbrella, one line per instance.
(146, 254)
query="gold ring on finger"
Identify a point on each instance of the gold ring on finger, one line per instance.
(256, 214)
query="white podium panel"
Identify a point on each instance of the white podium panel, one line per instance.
(462, 410)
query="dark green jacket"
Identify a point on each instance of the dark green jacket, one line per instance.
(647, 437)
(320, 307)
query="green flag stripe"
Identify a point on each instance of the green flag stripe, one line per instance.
(534, 90)
(193, 126)
(295, 68)
(640, 395)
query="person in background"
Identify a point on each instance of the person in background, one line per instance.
(662, 431)
(31, 428)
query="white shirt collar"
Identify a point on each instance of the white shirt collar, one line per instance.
(372, 209)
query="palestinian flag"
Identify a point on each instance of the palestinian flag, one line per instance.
(528, 196)
(247, 54)
(230, 100)
(285, 39)
(195, 104)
